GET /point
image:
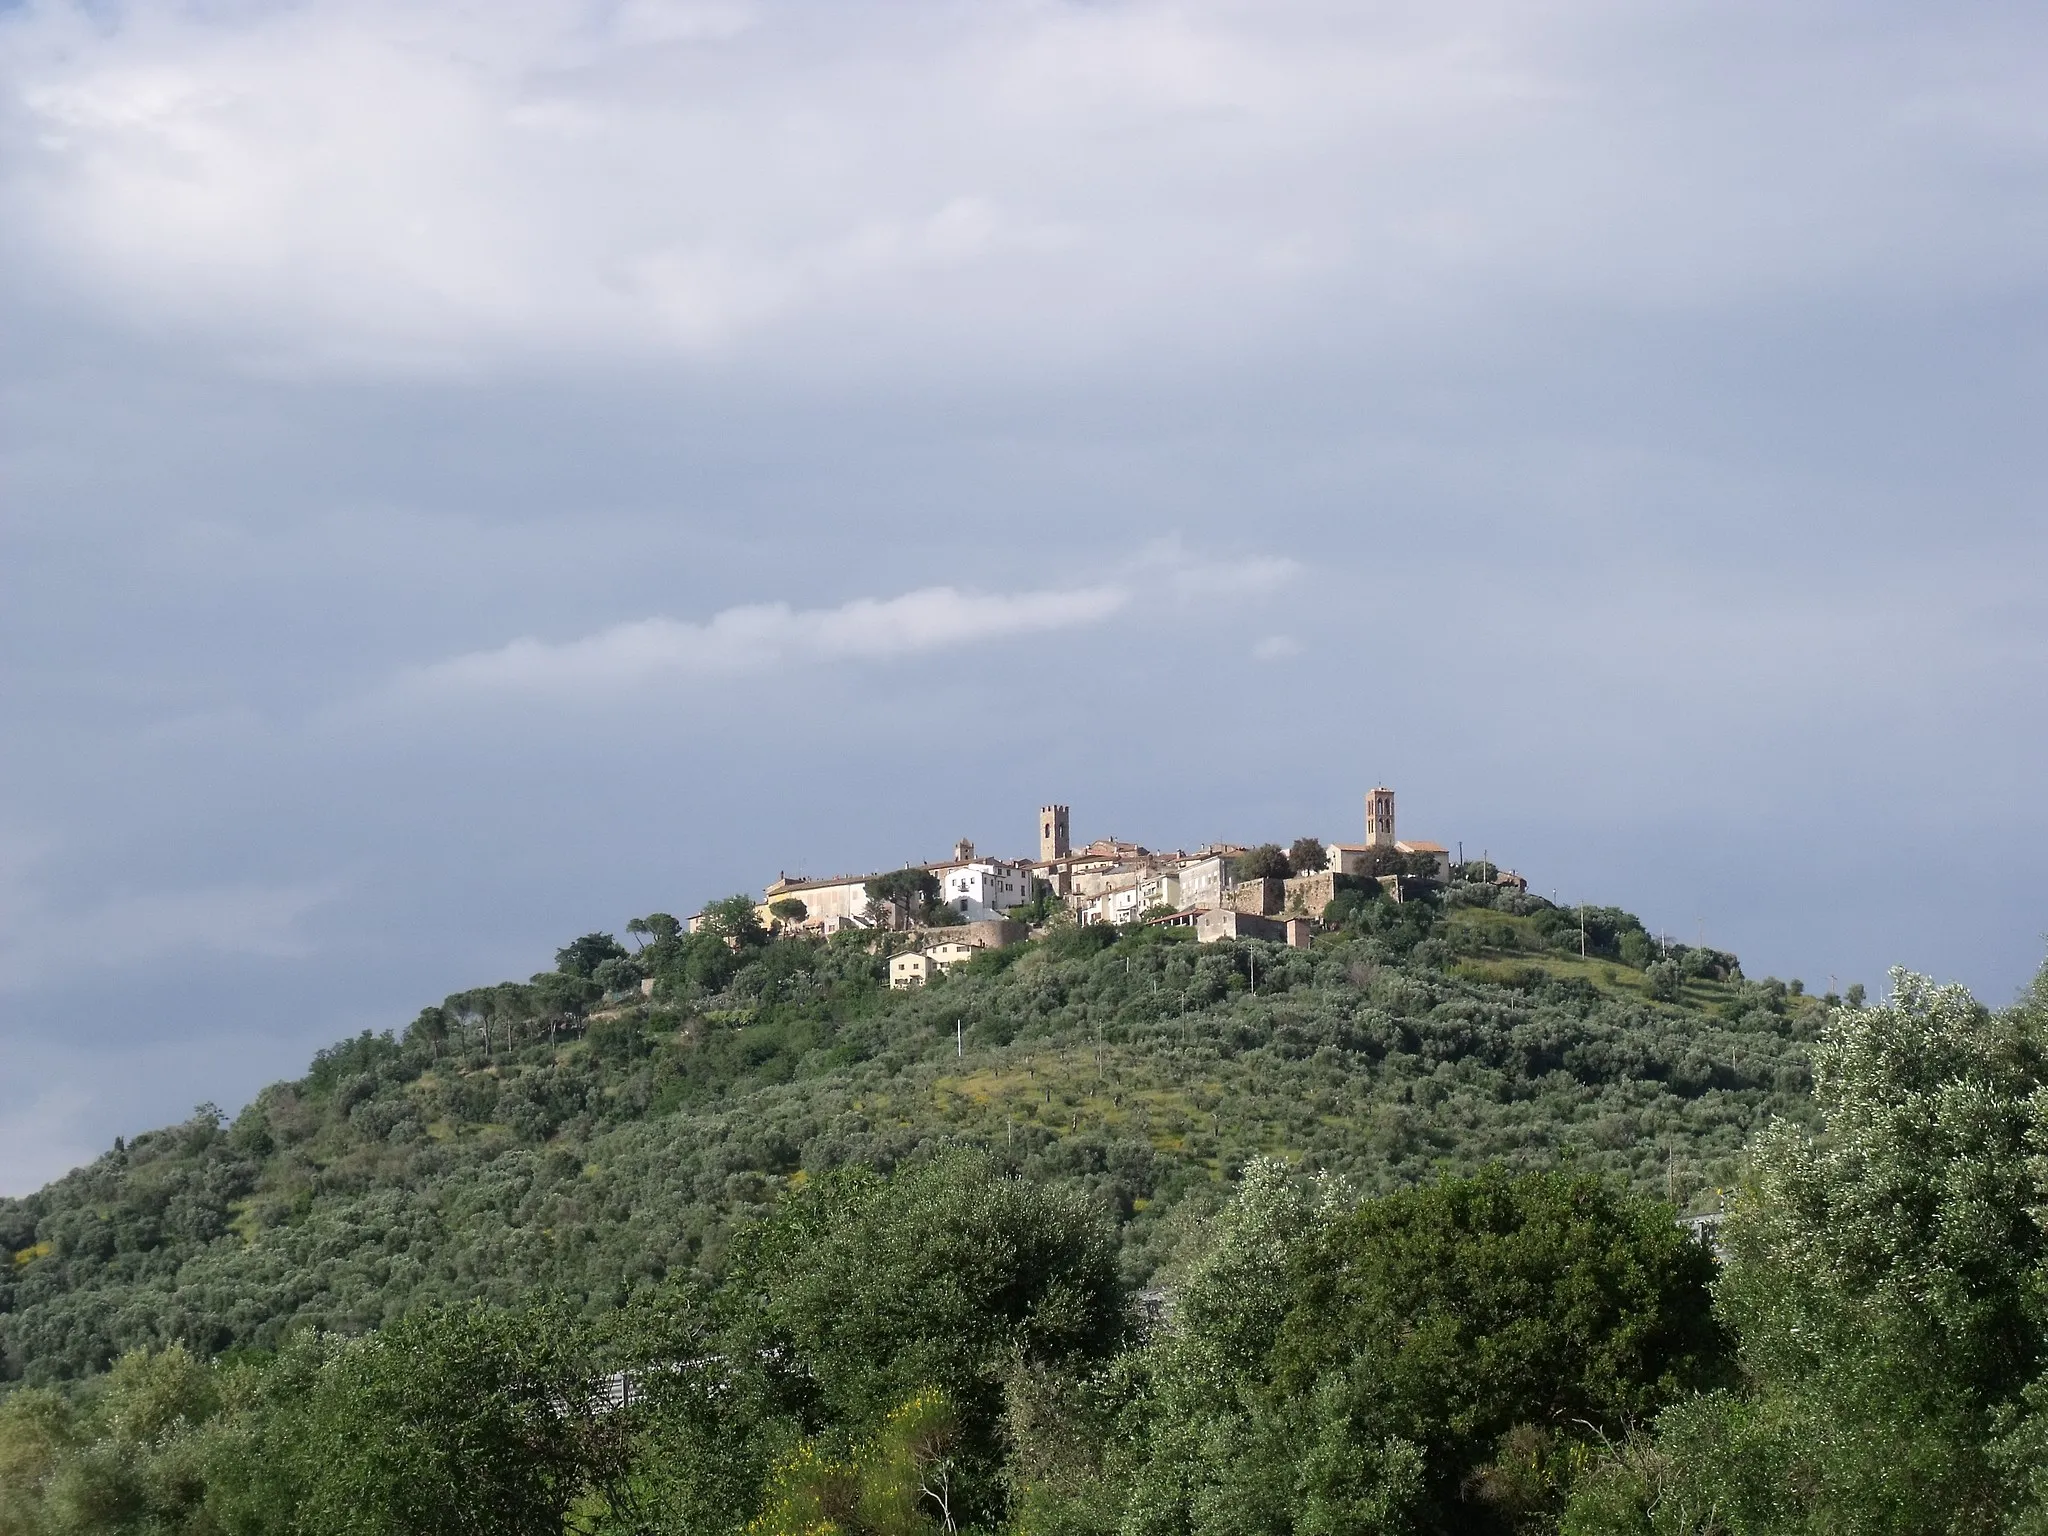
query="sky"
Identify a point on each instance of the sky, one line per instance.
(471, 474)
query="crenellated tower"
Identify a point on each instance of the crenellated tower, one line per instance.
(1053, 839)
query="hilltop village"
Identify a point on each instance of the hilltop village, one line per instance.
(962, 905)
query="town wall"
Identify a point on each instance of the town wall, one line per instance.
(1224, 923)
(1307, 895)
(1264, 897)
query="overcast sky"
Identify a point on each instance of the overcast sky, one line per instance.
(472, 473)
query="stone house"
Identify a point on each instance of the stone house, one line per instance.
(911, 970)
(918, 966)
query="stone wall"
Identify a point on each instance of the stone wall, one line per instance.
(1221, 923)
(1307, 895)
(1264, 897)
(987, 933)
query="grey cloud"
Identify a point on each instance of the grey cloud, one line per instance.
(1012, 181)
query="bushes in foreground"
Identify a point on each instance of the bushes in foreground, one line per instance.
(947, 1348)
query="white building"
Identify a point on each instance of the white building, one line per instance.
(1129, 902)
(983, 888)
(1205, 882)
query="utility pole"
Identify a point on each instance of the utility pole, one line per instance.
(1582, 930)
(960, 1038)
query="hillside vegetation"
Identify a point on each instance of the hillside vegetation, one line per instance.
(537, 1135)
(1109, 1235)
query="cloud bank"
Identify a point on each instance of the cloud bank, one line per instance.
(371, 184)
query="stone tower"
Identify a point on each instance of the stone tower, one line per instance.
(1052, 833)
(1379, 818)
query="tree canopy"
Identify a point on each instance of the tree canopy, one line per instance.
(581, 957)
(1305, 855)
(1268, 861)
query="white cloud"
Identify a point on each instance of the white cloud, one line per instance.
(387, 182)
(758, 636)
(1276, 648)
(762, 636)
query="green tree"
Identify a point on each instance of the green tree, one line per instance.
(1665, 981)
(940, 1279)
(1439, 1359)
(123, 1455)
(1268, 861)
(1885, 1281)
(656, 931)
(1306, 855)
(580, 957)
(1042, 906)
(463, 1422)
(621, 973)
(912, 891)
(735, 919)
(789, 909)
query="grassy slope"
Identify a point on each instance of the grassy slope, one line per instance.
(391, 1176)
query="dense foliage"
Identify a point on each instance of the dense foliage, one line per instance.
(1425, 1361)
(776, 1251)
(568, 1133)
(1888, 1283)
(947, 1348)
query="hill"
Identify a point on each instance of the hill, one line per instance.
(569, 1134)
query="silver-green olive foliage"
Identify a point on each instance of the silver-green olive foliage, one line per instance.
(1885, 1281)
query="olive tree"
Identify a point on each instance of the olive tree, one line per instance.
(1885, 1282)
